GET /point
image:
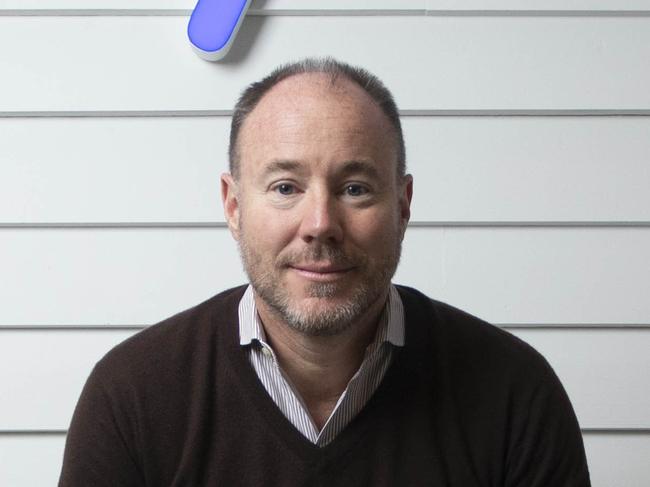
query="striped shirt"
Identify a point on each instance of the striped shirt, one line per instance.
(377, 358)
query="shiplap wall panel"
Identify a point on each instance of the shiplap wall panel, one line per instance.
(343, 5)
(529, 168)
(49, 370)
(538, 5)
(514, 275)
(618, 460)
(604, 372)
(144, 63)
(146, 169)
(30, 461)
(615, 460)
(504, 275)
(286, 6)
(496, 169)
(100, 276)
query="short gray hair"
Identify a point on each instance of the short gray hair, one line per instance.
(252, 95)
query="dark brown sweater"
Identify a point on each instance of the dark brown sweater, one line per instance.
(464, 404)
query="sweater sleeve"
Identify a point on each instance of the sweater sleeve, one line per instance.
(546, 447)
(97, 452)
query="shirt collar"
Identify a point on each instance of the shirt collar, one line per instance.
(390, 329)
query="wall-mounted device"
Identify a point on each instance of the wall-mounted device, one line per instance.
(213, 26)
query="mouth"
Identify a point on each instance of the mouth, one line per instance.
(321, 272)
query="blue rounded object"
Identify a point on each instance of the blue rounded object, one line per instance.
(213, 26)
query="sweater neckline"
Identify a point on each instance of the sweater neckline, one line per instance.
(273, 418)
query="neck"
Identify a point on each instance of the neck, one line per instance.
(320, 367)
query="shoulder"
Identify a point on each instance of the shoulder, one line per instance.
(460, 340)
(491, 386)
(174, 342)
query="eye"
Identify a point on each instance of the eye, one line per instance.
(355, 190)
(285, 189)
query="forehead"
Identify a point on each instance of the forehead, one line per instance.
(303, 92)
(307, 117)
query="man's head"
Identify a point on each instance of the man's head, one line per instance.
(333, 70)
(317, 199)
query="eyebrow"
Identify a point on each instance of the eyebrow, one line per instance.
(281, 166)
(349, 168)
(360, 167)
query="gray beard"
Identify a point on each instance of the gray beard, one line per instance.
(325, 323)
(329, 322)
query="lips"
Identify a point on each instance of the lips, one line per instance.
(321, 268)
(320, 272)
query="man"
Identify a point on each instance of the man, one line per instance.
(321, 372)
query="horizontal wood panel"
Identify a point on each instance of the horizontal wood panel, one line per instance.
(505, 275)
(495, 169)
(618, 460)
(614, 460)
(538, 5)
(530, 169)
(604, 372)
(112, 277)
(29, 461)
(343, 5)
(256, 6)
(539, 275)
(470, 63)
(43, 374)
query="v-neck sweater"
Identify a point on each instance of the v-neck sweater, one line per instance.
(463, 404)
(389, 334)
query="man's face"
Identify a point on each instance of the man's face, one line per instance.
(318, 210)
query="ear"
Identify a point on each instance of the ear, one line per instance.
(405, 196)
(230, 199)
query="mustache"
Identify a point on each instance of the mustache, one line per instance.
(319, 253)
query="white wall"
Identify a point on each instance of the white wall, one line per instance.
(528, 133)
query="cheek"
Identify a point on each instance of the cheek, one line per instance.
(377, 227)
(382, 237)
(268, 236)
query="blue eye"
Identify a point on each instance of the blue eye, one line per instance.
(285, 189)
(355, 190)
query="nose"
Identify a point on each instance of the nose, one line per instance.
(320, 219)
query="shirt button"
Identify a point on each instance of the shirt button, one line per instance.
(267, 351)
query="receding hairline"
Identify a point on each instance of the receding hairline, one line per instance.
(338, 86)
(330, 81)
(312, 85)
(332, 70)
